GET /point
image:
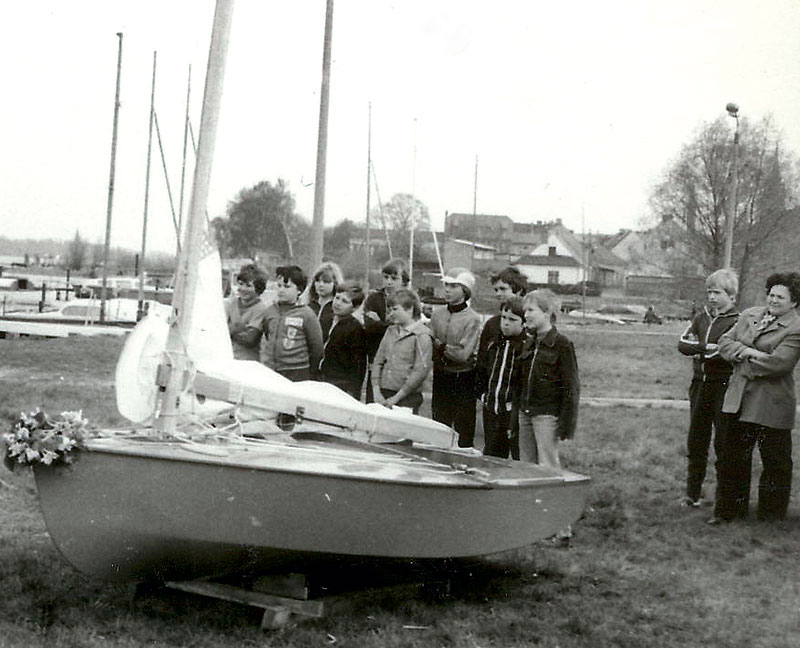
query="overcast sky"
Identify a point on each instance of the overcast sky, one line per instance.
(570, 107)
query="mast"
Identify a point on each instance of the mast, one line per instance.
(186, 276)
(322, 143)
(111, 173)
(140, 309)
(413, 194)
(369, 165)
(183, 163)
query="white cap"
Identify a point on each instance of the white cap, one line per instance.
(461, 276)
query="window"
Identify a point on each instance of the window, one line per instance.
(552, 276)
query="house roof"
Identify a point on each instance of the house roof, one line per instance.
(560, 260)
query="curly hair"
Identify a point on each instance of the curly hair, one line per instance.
(789, 279)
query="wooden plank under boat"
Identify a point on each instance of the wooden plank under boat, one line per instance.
(182, 510)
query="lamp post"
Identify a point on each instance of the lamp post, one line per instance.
(733, 111)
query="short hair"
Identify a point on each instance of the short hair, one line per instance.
(406, 298)
(514, 305)
(353, 290)
(252, 273)
(545, 299)
(724, 279)
(396, 268)
(293, 274)
(789, 279)
(330, 271)
(511, 275)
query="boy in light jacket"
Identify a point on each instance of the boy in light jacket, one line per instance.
(292, 334)
(403, 358)
(456, 329)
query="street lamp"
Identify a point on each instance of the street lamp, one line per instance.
(733, 111)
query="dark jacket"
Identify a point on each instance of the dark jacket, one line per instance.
(707, 329)
(324, 316)
(546, 376)
(345, 355)
(489, 334)
(496, 370)
(375, 302)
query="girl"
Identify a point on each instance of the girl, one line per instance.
(320, 294)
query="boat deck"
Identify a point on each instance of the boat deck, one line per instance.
(311, 452)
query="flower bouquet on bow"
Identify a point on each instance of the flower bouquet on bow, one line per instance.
(36, 438)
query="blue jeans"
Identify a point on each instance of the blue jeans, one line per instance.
(537, 439)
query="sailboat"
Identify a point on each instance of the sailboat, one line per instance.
(228, 466)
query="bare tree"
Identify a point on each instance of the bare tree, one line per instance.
(401, 213)
(696, 193)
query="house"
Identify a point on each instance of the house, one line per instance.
(588, 259)
(551, 267)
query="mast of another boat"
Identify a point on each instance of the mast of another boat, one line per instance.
(111, 174)
(175, 361)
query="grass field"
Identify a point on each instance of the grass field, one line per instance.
(640, 571)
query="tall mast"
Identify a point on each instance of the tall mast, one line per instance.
(183, 163)
(322, 143)
(186, 277)
(111, 173)
(140, 309)
(369, 166)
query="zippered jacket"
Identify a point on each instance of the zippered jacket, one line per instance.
(547, 381)
(496, 369)
(703, 330)
(292, 338)
(403, 359)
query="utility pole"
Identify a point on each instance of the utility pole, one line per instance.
(318, 225)
(110, 201)
(733, 111)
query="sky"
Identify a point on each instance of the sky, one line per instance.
(569, 110)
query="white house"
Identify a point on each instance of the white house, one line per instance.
(552, 262)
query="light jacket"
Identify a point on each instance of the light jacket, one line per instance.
(455, 339)
(707, 329)
(403, 359)
(292, 338)
(762, 391)
(245, 325)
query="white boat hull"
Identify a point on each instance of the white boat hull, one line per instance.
(140, 511)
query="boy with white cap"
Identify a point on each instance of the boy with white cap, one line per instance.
(456, 330)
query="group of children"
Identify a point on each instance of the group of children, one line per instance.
(521, 369)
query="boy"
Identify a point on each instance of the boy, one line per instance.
(245, 312)
(710, 378)
(395, 276)
(497, 366)
(292, 334)
(403, 359)
(456, 329)
(507, 283)
(345, 354)
(548, 388)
